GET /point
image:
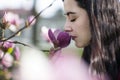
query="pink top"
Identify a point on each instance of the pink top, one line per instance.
(70, 67)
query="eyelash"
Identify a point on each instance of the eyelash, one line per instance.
(72, 20)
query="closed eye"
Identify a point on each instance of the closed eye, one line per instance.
(72, 20)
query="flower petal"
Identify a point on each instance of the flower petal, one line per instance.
(17, 53)
(8, 44)
(56, 32)
(52, 37)
(7, 60)
(32, 18)
(64, 39)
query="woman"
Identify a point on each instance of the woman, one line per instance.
(95, 25)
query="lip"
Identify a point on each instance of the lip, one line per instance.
(73, 37)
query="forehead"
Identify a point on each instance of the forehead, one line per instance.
(70, 2)
(71, 5)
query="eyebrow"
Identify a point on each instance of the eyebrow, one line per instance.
(68, 13)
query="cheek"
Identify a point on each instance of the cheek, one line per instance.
(84, 35)
(83, 41)
(83, 26)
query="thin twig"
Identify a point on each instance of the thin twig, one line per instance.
(41, 12)
(29, 23)
(17, 42)
(13, 34)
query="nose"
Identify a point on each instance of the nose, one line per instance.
(67, 27)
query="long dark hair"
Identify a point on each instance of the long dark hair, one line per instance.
(103, 53)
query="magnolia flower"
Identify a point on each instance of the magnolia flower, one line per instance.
(12, 18)
(60, 39)
(7, 60)
(30, 21)
(31, 18)
(8, 53)
(7, 44)
(11, 21)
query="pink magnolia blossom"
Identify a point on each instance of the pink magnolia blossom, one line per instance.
(59, 38)
(31, 20)
(7, 44)
(13, 20)
(8, 53)
(7, 60)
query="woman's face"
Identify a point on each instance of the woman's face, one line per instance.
(77, 23)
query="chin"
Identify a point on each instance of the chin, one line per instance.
(81, 45)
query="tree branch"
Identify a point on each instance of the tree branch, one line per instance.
(28, 23)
